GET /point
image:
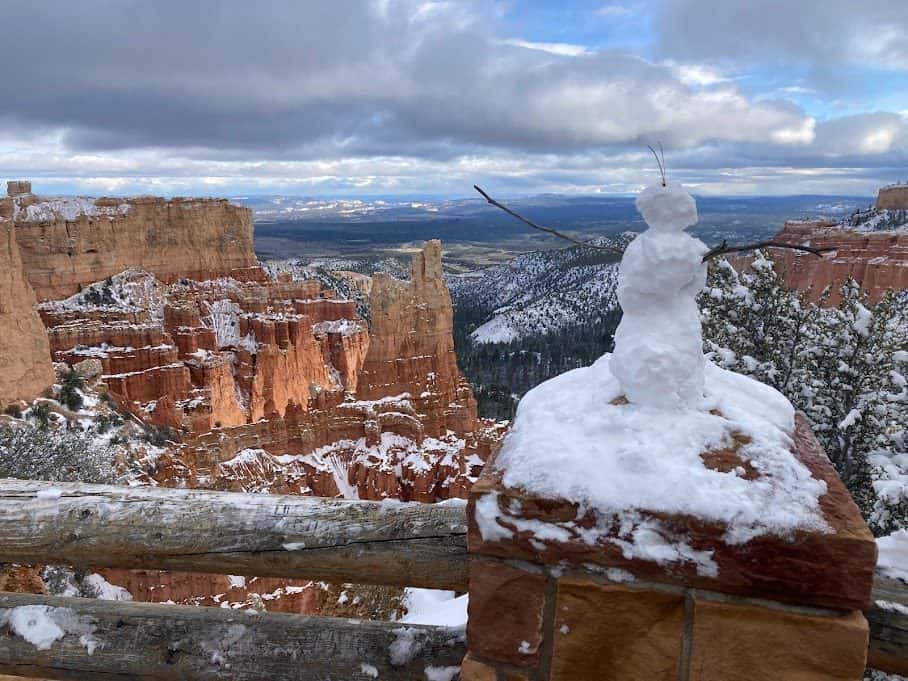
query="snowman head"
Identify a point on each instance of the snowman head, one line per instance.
(667, 208)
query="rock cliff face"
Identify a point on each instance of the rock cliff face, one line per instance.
(893, 197)
(67, 244)
(25, 367)
(279, 388)
(877, 260)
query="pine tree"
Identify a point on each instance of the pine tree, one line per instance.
(844, 367)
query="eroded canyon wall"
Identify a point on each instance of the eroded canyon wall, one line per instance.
(411, 349)
(69, 243)
(893, 197)
(25, 367)
(878, 261)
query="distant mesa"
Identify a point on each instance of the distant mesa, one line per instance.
(869, 246)
(18, 187)
(67, 243)
(893, 197)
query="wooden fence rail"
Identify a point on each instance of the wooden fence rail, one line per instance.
(266, 535)
(889, 627)
(105, 640)
(366, 542)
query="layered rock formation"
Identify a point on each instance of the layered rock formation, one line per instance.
(412, 346)
(266, 385)
(877, 260)
(197, 355)
(68, 243)
(25, 367)
(893, 197)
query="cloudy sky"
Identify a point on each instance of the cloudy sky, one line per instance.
(424, 98)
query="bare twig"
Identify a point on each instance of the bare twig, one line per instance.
(659, 161)
(547, 230)
(724, 248)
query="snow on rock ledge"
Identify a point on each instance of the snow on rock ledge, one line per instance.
(569, 441)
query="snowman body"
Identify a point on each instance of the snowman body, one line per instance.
(658, 357)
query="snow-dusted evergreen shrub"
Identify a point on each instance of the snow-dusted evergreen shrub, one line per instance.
(70, 385)
(28, 452)
(844, 367)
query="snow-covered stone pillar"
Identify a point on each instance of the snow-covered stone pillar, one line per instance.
(655, 517)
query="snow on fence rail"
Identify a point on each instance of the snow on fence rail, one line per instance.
(397, 544)
(87, 639)
(253, 534)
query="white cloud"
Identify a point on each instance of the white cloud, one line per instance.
(561, 49)
(698, 74)
(400, 96)
(822, 34)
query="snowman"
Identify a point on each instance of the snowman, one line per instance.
(658, 357)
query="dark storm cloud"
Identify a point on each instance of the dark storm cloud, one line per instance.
(411, 95)
(348, 77)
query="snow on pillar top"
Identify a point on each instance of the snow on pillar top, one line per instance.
(658, 358)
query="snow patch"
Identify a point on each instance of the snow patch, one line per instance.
(893, 555)
(44, 625)
(570, 442)
(438, 608)
(441, 673)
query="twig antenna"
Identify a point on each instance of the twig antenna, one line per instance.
(660, 160)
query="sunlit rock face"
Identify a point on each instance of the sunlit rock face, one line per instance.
(877, 260)
(893, 197)
(25, 367)
(68, 243)
(412, 346)
(250, 373)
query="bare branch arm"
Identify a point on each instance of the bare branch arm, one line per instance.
(547, 230)
(715, 252)
(724, 248)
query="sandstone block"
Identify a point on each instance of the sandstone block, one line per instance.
(613, 633)
(473, 670)
(833, 569)
(733, 642)
(25, 362)
(89, 368)
(505, 613)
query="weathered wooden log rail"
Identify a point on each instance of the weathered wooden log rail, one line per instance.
(888, 619)
(91, 526)
(124, 640)
(367, 542)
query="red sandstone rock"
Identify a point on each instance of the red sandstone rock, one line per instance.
(25, 361)
(832, 569)
(505, 613)
(878, 261)
(411, 348)
(173, 239)
(893, 197)
(249, 371)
